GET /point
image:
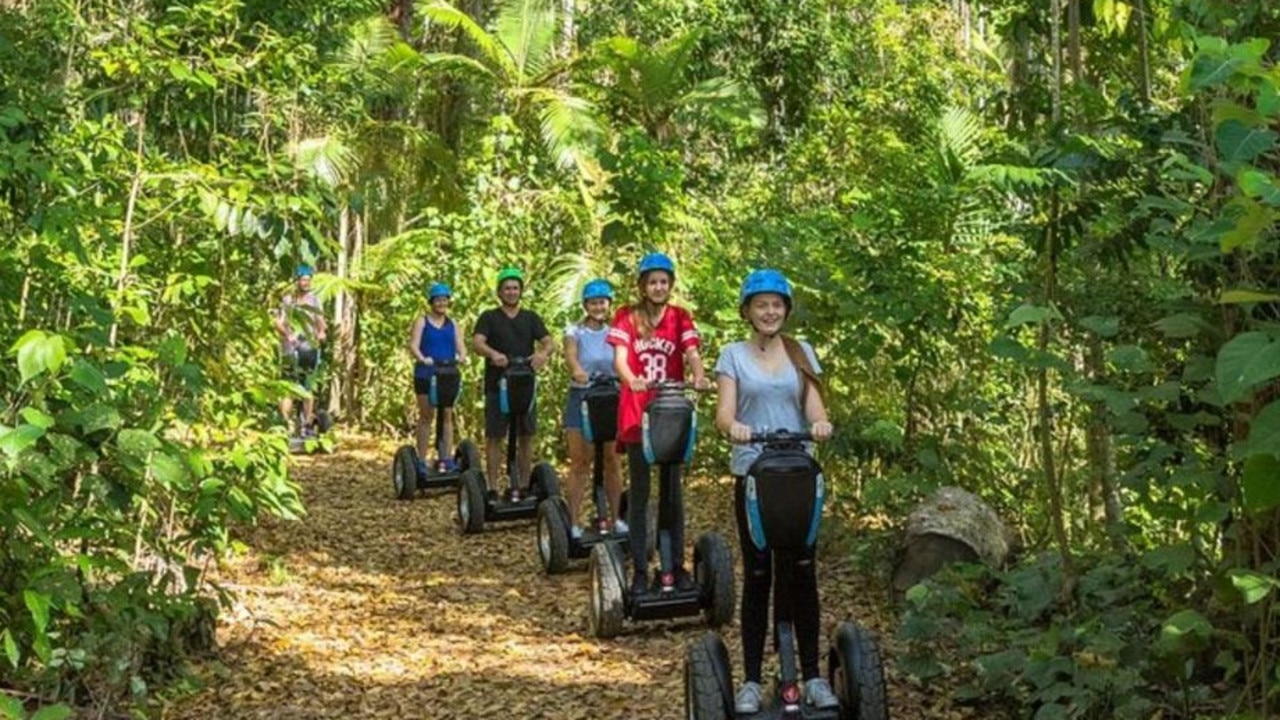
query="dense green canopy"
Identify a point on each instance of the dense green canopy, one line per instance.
(1033, 242)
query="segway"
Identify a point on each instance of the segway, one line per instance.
(669, 432)
(311, 434)
(556, 544)
(785, 490)
(409, 473)
(476, 503)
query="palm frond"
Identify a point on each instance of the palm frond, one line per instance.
(666, 68)
(726, 99)
(491, 50)
(569, 124)
(368, 40)
(450, 62)
(527, 29)
(959, 132)
(327, 159)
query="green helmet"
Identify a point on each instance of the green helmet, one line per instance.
(510, 272)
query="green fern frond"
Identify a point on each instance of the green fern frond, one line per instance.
(500, 60)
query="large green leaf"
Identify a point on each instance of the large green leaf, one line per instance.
(1264, 432)
(1238, 142)
(1260, 185)
(1251, 224)
(38, 605)
(1240, 297)
(1031, 314)
(39, 352)
(1261, 482)
(1245, 361)
(1253, 585)
(1108, 326)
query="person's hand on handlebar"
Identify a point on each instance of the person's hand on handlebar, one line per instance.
(739, 432)
(821, 430)
(500, 360)
(537, 361)
(702, 383)
(638, 384)
(580, 377)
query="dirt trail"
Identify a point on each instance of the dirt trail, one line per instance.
(373, 607)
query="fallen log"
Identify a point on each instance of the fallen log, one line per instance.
(950, 526)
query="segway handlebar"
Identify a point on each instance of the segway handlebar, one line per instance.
(772, 437)
(597, 380)
(678, 386)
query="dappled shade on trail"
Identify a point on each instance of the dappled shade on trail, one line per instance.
(371, 607)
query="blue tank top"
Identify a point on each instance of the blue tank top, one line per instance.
(594, 354)
(437, 343)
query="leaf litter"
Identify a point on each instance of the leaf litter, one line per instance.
(375, 607)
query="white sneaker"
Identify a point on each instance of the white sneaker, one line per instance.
(818, 694)
(575, 532)
(620, 527)
(747, 701)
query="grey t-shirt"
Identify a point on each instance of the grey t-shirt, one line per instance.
(765, 402)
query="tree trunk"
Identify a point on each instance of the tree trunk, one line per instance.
(1073, 40)
(1045, 420)
(1055, 41)
(126, 235)
(1104, 502)
(337, 381)
(1145, 85)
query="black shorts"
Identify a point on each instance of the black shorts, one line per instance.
(421, 385)
(300, 366)
(495, 423)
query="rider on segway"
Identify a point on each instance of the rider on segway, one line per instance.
(500, 334)
(434, 340)
(653, 341)
(590, 359)
(771, 381)
(299, 321)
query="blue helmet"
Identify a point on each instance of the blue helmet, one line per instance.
(304, 270)
(655, 261)
(598, 288)
(767, 280)
(438, 290)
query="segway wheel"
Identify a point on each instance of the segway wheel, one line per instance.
(404, 473)
(856, 671)
(708, 685)
(545, 482)
(471, 493)
(713, 570)
(324, 421)
(553, 536)
(467, 456)
(608, 606)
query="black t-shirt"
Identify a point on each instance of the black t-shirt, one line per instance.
(511, 336)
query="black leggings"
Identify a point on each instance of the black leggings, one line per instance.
(670, 507)
(795, 597)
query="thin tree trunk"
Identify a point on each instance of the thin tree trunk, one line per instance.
(1045, 429)
(126, 236)
(1145, 88)
(351, 325)
(337, 381)
(1055, 40)
(1073, 39)
(1105, 507)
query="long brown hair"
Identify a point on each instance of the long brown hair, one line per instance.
(809, 377)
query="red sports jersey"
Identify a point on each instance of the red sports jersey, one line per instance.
(657, 357)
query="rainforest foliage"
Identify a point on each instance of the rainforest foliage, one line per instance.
(1034, 244)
